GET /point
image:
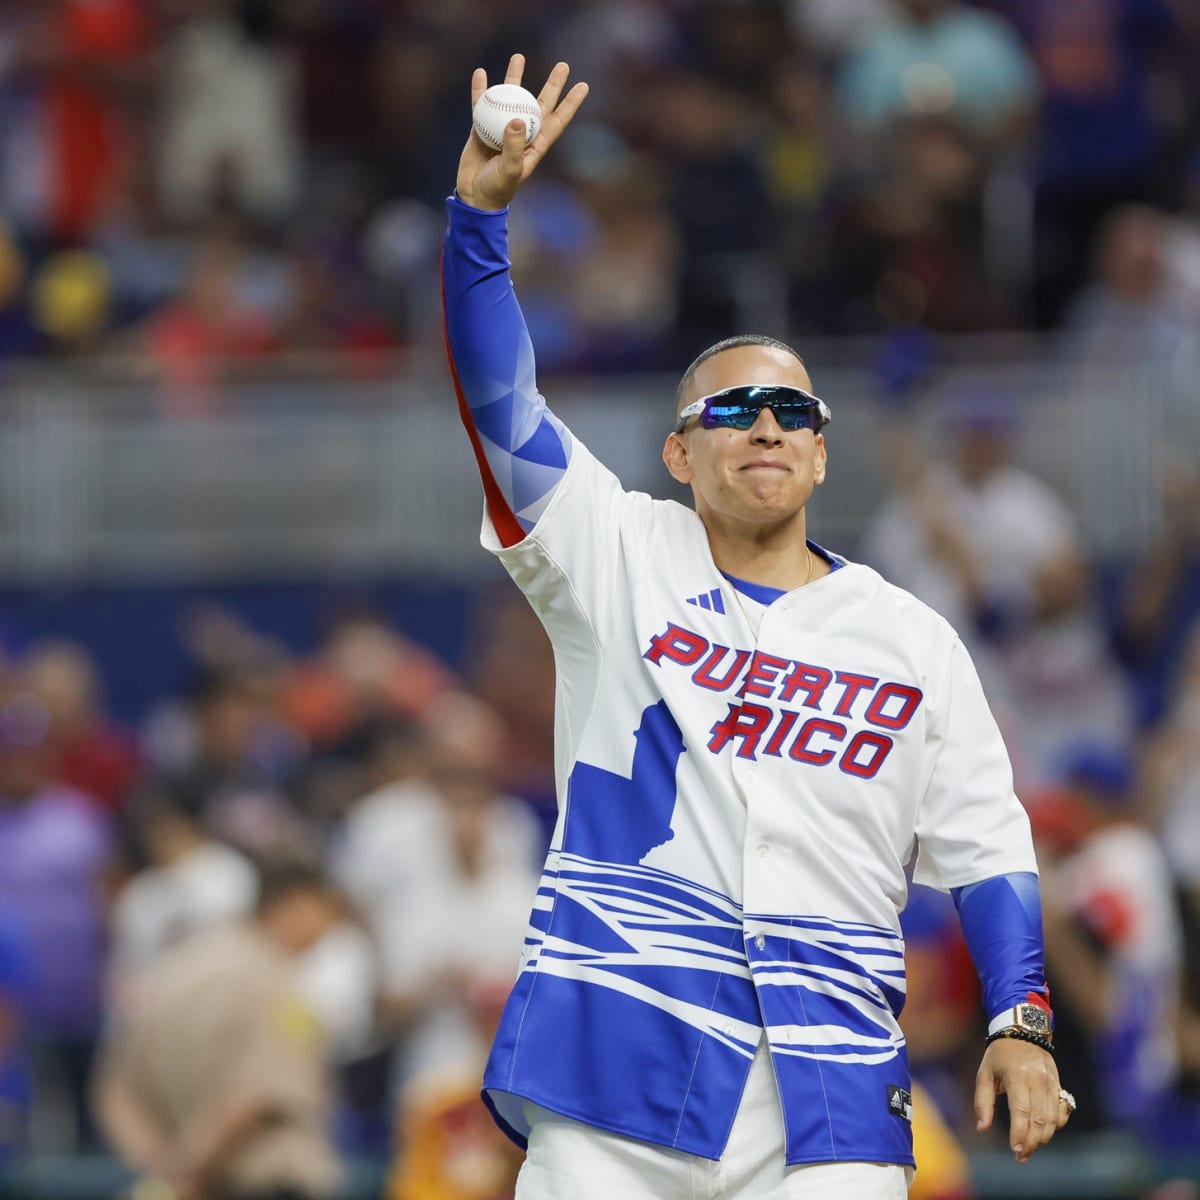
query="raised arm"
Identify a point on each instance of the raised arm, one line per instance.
(521, 448)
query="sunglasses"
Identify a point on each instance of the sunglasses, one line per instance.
(738, 408)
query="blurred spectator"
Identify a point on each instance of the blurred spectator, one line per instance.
(706, 135)
(623, 289)
(186, 882)
(911, 235)
(16, 993)
(238, 754)
(941, 98)
(450, 1148)
(942, 1013)
(1113, 937)
(1159, 598)
(1132, 314)
(378, 847)
(940, 58)
(800, 168)
(996, 552)
(214, 1081)
(191, 344)
(1133, 342)
(229, 114)
(84, 64)
(513, 671)
(1172, 773)
(363, 670)
(93, 753)
(1101, 139)
(17, 334)
(327, 308)
(617, 46)
(833, 28)
(55, 847)
(945, 1171)
(450, 932)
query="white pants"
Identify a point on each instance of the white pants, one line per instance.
(568, 1160)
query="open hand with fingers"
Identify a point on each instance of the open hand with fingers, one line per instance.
(488, 179)
(1038, 1105)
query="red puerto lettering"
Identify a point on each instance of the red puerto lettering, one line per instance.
(852, 684)
(745, 721)
(703, 674)
(814, 725)
(910, 701)
(787, 718)
(760, 678)
(677, 644)
(804, 677)
(879, 745)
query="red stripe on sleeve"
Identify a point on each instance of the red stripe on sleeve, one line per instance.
(503, 519)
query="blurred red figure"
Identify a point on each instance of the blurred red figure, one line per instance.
(194, 342)
(363, 671)
(94, 53)
(92, 753)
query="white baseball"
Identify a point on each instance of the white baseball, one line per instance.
(501, 103)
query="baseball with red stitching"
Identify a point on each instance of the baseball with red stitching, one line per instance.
(501, 103)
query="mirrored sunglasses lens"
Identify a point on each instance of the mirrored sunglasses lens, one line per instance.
(796, 414)
(792, 414)
(730, 416)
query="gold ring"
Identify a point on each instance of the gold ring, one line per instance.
(1066, 1098)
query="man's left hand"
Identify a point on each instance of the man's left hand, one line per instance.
(1027, 1075)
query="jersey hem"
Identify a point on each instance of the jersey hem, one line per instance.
(612, 1127)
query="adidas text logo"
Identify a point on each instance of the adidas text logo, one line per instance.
(710, 600)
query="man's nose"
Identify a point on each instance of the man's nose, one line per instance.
(766, 428)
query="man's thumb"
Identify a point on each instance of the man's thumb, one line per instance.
(514, 144)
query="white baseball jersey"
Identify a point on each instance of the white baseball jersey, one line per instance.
(740, 789)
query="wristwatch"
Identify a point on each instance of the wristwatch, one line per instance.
(1032, 1018)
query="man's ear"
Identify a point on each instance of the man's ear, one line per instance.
(819, 461)
(675, 455)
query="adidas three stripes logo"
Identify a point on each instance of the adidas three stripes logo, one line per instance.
(710, 600)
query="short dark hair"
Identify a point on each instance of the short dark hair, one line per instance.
(730, 343)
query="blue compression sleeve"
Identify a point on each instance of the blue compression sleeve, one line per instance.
(521, 448)
(1002, 923)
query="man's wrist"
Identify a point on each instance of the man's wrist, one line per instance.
(473, 205)
(1033, 1017)
(1013, 1033)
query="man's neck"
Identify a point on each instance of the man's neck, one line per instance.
(778, 558)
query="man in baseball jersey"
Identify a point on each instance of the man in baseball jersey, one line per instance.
(754, 738)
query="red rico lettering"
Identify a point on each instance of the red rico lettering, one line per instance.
(865, 754)
(744, 722)
(801, 749)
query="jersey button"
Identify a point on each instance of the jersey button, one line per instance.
(760, 941)
(763, 851)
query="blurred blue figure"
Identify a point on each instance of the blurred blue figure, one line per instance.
(16, 990)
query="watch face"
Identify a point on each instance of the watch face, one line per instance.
(1036, 1020)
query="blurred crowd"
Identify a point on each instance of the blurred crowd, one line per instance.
(277, 919)
(192, 186)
